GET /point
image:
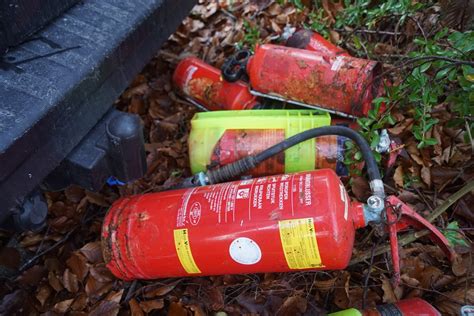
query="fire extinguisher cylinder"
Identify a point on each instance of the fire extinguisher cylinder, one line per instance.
(282, 223)
(233, 170)
(290, 222)
(219, 138)
(342, 85)
(202, 84)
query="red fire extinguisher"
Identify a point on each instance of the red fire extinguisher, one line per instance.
(290, 222)
(342, 85)
(408, 307)
(203, 84)
(312, 41)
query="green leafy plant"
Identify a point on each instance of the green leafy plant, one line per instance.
(443, 71)
(454, 236)
(317, 22)
(251, 36)
(370, 127)
(365, 13)
(297, 3)
(409, 180)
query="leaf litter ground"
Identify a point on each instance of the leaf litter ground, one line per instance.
(61, 269)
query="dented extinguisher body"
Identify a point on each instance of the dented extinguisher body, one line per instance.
(343, 84)
(282, 223)
(203, 83)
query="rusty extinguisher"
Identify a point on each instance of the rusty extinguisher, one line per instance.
(279, 223)
(408, 307)
(342, 84)
(204, 87)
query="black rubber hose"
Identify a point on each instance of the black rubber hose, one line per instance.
(232, 170)
(372, 168)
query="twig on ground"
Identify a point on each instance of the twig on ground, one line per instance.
(433, 57)
(419, 26)
(28, 263)
(367, 276)
(369, 32)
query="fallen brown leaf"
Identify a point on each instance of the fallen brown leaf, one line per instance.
(101, 274)
(32, 276)
(80, 302)
(325, 285)
(450, 302)
(63, 306)
(95, 288)
(159, 290)
(177, 309)
(388, 291)
(293, 305)
(426, 175)
(43, 294)
(105, 308)
(92, 251)
(70, 281)
(78, 265)
(398, 177)
(148, 306)
(135, 309)
(54, 282)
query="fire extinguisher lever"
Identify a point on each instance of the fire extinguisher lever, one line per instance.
(400, 216)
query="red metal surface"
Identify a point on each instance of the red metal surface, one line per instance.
(343, 83)
(237, 144)
(344, 122)
(203, 83)
(408, 307)
(309, 40)
(401, 216)
(138, 232)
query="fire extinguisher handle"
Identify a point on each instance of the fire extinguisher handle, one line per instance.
(234, 68)
(400, 216)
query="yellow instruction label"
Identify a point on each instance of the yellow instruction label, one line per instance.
(298, 239)
(183, 249)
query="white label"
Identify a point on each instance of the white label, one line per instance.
(243, 193)
(195, 213)
(337, 63)
(188, 76)
(244, 250)
(344, 199)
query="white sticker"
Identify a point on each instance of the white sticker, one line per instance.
(244, 250)
(345, 200)
(337, 63)
(243, 193)
(188, 76)
(245, 182)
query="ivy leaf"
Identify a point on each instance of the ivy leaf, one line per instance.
(425, 67)
(442, 73)
(430, 141)
(453, 235)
